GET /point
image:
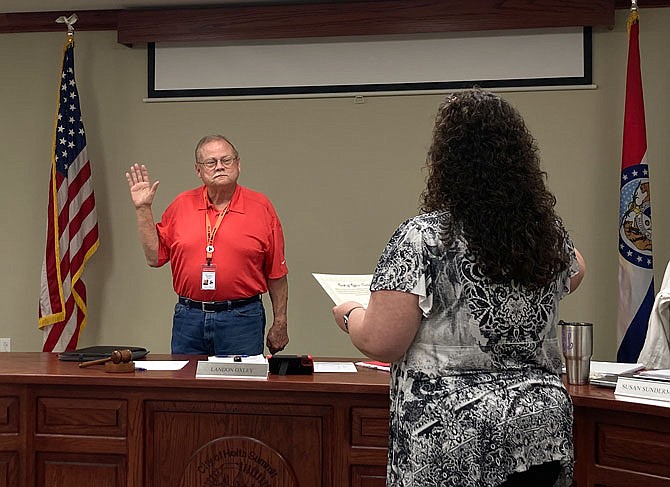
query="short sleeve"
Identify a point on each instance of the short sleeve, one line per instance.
(400, 267)
(164, 229)
(573, 269)
(275, 261)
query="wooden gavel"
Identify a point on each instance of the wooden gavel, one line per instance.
(117, 357)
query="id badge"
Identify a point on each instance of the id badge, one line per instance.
(208, 277)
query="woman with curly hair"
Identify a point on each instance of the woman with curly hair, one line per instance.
(464, 304)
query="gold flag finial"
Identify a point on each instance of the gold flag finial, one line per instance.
(634, 16)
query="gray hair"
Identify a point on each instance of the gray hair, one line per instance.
(212, 138)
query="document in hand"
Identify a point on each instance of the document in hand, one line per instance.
(346, 287)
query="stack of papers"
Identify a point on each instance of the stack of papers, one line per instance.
(658, 374)
(599, 369)
(606, 373)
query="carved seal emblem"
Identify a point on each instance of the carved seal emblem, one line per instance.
(237, 461)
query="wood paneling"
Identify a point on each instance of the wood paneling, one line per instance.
(9, 414)
(619, 443)
(368, 476)
(46, 21)
(356, 18)
(89, 417)
(319, 19)
(58, 469)
(9, 469)
(79, 426)
(157, 428)
(642, 3)
(369, 427)
(300, 435)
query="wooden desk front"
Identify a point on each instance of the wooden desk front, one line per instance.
(618, 442)
(61, 426)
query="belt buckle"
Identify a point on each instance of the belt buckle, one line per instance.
(203, 306)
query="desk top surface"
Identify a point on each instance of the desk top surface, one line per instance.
(46, 368)
(591, 396)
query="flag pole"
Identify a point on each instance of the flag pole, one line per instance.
(72, 223)
(633, 17)
(69, 21)
(636, 276)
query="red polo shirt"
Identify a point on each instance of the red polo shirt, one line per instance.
(248, 245)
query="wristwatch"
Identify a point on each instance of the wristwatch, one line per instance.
(345, 318)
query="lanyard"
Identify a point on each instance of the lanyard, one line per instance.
(211, 232)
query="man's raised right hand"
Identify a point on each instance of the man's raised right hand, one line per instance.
(142, 192)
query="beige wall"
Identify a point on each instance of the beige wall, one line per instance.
(341, 175)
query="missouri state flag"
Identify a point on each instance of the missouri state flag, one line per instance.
(72, 223)
(636, 276)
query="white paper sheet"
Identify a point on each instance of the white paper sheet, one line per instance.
(160, 364)
(375, 364)
(346, 287)
(663, 374)
(334, 367)
(614, 368)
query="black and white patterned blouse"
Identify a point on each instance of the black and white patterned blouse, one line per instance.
(478, 394)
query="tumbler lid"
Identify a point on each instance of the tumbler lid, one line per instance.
(574, 323)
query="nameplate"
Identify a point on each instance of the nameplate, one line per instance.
(643, 388)
(236, 370)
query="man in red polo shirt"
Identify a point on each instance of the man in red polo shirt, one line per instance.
(225, 245)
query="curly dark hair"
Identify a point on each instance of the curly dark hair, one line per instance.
(484, 170)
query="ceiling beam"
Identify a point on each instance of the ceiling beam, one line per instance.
(642, 3)
(46, 21)
(322, 19)
(356, 18)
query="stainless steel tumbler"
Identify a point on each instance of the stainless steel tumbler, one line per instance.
(577, 341)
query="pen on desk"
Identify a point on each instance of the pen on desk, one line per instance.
(236, 358)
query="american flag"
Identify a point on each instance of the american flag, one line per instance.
(72, 223)
(636, 271)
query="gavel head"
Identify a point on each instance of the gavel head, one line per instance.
(121, 356)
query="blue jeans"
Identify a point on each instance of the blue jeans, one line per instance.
(237, 331)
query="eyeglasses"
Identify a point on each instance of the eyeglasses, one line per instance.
(225, 162)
